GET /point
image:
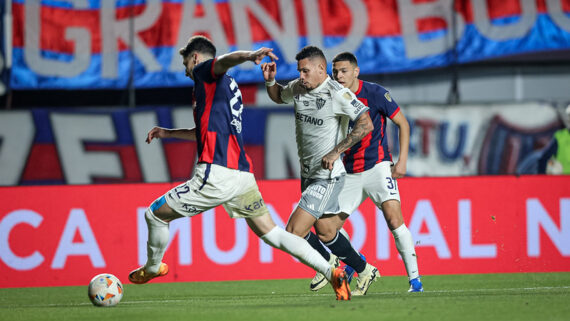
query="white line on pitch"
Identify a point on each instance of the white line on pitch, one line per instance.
(295, 295)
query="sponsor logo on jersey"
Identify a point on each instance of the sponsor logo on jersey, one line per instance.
(309, 119)
(190, 209)
(320, 103)
(358, 106)
(316, 191)
(388, 97)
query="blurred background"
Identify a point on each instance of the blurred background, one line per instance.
(483, 83)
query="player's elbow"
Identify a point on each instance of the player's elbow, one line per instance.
(276, 100)
(275, 96)
(368, 126)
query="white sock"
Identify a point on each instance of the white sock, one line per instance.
(343, 232)
(405, 246)
(158, 235)
(299, 248)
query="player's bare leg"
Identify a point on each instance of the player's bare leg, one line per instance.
(326, 228)
(404, 242)
(264, 227)
(157, 217)
(319, 281)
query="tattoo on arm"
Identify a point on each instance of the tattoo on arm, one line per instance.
(362, 127)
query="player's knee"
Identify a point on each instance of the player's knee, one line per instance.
(393, 214)
(291, 228)
(160, 210)
(394, 223)
(157, 204)
(394, 220)
(327, 234)
(152, 219)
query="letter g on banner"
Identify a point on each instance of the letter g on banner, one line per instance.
(81, 37)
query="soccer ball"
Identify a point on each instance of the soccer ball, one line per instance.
(105, 290)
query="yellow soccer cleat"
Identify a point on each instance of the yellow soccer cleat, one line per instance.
(365, 279)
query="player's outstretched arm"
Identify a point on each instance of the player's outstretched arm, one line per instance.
(180, 133)
(399, 170)
(227, 61)
(273, 88)
(362, 127)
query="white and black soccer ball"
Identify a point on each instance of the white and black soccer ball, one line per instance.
(105, 290)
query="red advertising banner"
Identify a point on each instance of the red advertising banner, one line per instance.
(64, 235)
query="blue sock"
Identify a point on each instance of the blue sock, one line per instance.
(342, 248)
(317, 245)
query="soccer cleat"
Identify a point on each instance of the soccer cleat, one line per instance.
(365, 279)
(350, 271)
(319, 281)
(416, 285)
(340, 284)
(140, 275)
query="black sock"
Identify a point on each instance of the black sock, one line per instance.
(316, 244)
(342, 248)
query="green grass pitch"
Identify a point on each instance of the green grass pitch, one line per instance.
(482, 297)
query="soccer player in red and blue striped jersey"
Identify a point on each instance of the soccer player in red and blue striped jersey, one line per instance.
(223, 175)
(370, 170)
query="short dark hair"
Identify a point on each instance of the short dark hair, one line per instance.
(346, 56)
(310, 52)
(199, 44)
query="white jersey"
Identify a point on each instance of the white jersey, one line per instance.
(321, 122)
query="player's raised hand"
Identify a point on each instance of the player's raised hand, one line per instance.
(269, 70)
(261, 53)
(156, 132)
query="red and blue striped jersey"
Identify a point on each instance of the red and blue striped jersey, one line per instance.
(373, 148)
(217, 115)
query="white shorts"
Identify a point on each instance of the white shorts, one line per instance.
(376, 183)
(214, 185)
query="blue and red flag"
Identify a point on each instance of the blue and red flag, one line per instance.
(86, 43)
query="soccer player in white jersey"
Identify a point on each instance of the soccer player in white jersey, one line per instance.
(370, 170)
(323, 109)
(223, 173)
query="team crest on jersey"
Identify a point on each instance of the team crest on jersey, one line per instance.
(387, 96)
(320, 103)
(306, 103)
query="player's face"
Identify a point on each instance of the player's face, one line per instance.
(346, 74)
(310, 73)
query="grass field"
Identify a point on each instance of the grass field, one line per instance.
(538, 296)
